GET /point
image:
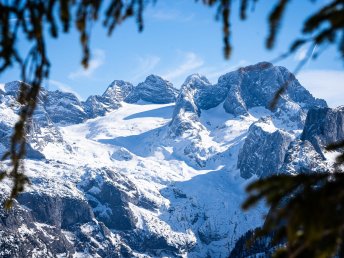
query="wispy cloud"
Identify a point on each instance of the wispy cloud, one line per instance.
(301, 53)
(214, 72)
(305, 52)
(327, 84)
(170, 15)
(145, 65)
(96, 61)
(190, 63)
(193, 63)
(63, 87)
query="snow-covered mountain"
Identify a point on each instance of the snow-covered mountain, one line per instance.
(152, 171)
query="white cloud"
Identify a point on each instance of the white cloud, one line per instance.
(2, 86)
(326, 84)
(193, 63)
(65, 88)
(190, 63)
(145, 66)
(170, 15)
(164, 15)
(96, 61)
(213, 73)
(301, 53)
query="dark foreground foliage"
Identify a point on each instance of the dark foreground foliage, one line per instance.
(306, 210)
(250, 245)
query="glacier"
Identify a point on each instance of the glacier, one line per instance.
(155, 171)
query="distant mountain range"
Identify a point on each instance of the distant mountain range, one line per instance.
(153, 171)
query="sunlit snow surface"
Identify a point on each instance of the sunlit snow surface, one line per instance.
(199, 207)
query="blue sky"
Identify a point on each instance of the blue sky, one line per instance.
(182, 37)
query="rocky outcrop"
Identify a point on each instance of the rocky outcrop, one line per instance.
(109, 203)
(46, 226)
(240, 91)
(98, 106)
(301, 157)
(205, 94)
(186, 112)
(116, 92)
(263, 151)
(154, 90)
(60, 212)
(324, 126)
(256, 85)
(64, 108)
(13, 88)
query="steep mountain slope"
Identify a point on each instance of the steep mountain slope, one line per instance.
(147, 173)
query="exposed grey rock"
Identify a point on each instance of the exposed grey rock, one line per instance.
(155, 90)
(263, 151)
(42, 130)
(301, 157)
(234, 104)
(13, 88)
(61, 212)
(21, 236)
(208, 234)
(64, 108)
(205, 94)
(116, 92)
(324, 126)
(66, 224)
(256, 85)
(46, 226)
(186, 112)
(109, 203)
(99, 105)
(241, 90)
(6, 131)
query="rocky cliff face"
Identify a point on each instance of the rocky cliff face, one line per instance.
(49, 222)
(155, 90)
(246, 94)
(306, 154)
(163, 178)
(245, 89)
(110, 100)
(264, 149)
(324, 126)
(118, 91)
(64, 108)
(255, 86)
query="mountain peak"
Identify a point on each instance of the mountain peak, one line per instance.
(153, 78)
(196, 80)
(258, 66)
(118, 90)
(256, 85)
(13, 87)
(155, 90)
